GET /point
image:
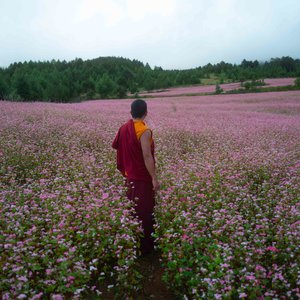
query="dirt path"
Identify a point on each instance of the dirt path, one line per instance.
(153, 286)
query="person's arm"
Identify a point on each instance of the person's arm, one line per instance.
(148, 158)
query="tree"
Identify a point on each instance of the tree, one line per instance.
(121, 91)
(286, 63)
(106, 86)
(112, 77)
(23, 87)
(3, 88)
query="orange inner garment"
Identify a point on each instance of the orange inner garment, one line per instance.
(140, 127)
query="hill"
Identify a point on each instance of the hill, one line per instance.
(114, 77)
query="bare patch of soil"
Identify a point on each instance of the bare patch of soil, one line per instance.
(153, 287)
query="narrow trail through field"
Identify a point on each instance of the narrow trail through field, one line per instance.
(153, 285)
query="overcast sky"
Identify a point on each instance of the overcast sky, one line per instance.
(168, 33)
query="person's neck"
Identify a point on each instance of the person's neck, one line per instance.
(138, 119)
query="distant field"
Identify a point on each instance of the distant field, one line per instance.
(227, 215)
(211, 88)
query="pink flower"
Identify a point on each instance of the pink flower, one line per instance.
(295, 224)
(5, 296)
(71, 278)
(242, 295)
(185, 237)
(259, 251)
(61, 224)
(259, 268)
(269, 274)
(61, 259)
(73, 249)
(38, 296)
(57, 297)
(104, 195)
(272, 248)
(23, 278)
(48, 271)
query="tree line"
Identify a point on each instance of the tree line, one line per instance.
(115, 77)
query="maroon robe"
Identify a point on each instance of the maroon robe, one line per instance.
(130, 162)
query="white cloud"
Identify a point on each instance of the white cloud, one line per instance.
(170, 33)
(115, 12)
(110, 11)
(140, 9)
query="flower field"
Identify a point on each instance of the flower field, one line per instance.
(227, 215)
(212, 88)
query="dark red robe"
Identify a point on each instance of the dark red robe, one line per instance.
(130, 162)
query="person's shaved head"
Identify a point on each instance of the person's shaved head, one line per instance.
(138, 108)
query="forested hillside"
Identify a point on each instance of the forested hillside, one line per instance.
(115, 77)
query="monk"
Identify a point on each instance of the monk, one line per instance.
(136, 161)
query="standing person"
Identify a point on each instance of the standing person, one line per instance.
(135, 160)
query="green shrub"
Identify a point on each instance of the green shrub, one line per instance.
(297, 82)
(219, 90)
